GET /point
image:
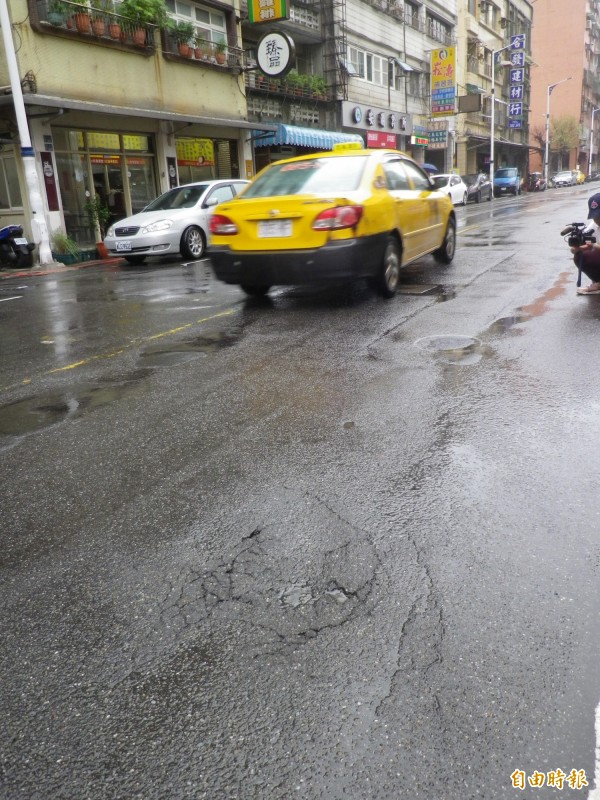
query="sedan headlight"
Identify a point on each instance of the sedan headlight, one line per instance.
(161, 225)
(111, 231)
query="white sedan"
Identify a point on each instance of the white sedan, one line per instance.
(453, 186)
(176, 222)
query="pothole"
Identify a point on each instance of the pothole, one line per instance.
(452, 349)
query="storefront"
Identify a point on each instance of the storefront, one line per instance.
(378, 127)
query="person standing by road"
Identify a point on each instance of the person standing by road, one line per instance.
(587, 257)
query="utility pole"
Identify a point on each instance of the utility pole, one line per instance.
(39, 229)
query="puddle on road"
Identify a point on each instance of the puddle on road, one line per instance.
(33, 414)
(506, 323)
(182, 353)
(296, 596)
(453, 349)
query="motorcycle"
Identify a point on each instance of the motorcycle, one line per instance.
(15, 250)
(537, 182)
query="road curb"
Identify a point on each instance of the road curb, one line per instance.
(57, 267)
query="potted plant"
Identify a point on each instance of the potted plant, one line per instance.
(82, 19)
(143, 13)
(99, 12)
(293, 82)
(64, 249)
(182, 33)
(220, 51)
(318, 87)
(57, 12)
(98, 216)
(201, 48)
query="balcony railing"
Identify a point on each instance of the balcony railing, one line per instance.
(308, 87)
(206, 51)
(64, 15)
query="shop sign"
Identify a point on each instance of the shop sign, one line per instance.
(377, 139)
(267, 10)
(104, 158)
(195, 152)
(371, 118)
(276, 54)
(438, 135)
(443, 82)
(49, 181)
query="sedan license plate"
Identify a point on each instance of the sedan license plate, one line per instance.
(123, 247)
(274, 228)
(19, 240)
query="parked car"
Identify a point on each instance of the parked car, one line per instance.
(342, 215)
(176, 222)
(564, 178)
(507, 180)
(478, 186)
(453, 186)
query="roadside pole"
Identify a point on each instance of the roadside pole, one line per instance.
(39, 229)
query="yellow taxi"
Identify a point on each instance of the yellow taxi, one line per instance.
(337, 216)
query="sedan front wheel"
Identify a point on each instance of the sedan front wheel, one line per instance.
(193, 243)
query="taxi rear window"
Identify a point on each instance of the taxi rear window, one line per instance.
(312, 176)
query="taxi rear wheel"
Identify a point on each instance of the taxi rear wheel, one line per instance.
(389, 277)
(445, 253)
(254, 291)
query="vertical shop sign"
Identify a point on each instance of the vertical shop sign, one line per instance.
(172, 171)
(49, 181)
(517, 81)
(443, 82)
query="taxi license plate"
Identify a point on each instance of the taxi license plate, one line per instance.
(274, 228)
(123, 246)
(19, 240)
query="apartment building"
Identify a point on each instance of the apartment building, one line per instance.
(566, 82)
(120, 110)
(373, 60)
(488, 31)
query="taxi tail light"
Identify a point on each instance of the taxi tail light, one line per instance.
(220, 225)
(335, 219)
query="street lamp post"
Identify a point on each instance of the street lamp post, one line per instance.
(493, 109)
(591, 143)
(551, 86)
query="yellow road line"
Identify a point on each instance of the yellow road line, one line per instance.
(101, 356)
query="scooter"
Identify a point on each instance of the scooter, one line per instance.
(15, 250)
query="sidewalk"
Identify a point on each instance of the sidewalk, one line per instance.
(49, 269)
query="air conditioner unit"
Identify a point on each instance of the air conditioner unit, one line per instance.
(503, 22)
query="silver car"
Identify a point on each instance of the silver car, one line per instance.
(176, 222)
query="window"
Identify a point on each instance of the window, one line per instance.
(10, 192)
(438, 30)
(418, 178)
(369, 67)
(209, 23)
(411, 14)
(472, 7)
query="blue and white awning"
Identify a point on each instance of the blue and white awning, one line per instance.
(304, 137)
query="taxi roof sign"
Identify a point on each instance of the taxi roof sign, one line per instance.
(348, 146)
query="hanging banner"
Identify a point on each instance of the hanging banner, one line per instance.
(443, 82)
(49, 181)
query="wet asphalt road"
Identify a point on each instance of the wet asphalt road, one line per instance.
(298, 548)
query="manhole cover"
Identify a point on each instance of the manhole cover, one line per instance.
(447, 343)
